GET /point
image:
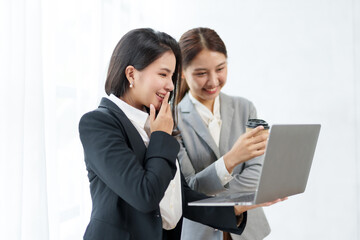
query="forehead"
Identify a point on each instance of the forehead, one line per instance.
(166, 61)
(207, 59)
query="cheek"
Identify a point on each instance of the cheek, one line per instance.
(147, 88)
(144, 93)
(149, 93)
(222, 78)
(196, 83)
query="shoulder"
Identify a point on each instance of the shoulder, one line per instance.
(99, 114)
(99, 120)
(185, 104)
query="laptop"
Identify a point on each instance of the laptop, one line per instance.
(287, 162)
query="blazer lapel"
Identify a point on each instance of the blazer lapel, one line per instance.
(136, 142)
(192, 118)
(227, 112)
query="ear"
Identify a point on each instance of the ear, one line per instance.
(130, 74)
(183, 78)
(183, 75)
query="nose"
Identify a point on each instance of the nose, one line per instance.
(213, 80)
(169, 85)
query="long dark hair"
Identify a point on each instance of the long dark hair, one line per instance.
(191, 44)
(139, 48)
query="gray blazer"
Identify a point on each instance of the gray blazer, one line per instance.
(197, 156)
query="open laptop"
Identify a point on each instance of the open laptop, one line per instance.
(287, 163)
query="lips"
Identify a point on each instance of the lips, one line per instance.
(211, 90)
(161, 95)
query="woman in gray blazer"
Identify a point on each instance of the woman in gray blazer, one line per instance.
(214, 151)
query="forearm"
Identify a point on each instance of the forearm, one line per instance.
(206, 181)
(246, 176)
(223, 218)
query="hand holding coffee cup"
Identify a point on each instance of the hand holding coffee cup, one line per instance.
(253, 123)
(249, 145)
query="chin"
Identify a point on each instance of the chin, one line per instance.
(211, 96)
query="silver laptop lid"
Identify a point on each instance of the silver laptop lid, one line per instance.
(287, 161)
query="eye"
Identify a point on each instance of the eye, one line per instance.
(220, 69)
(162, 74)
(200, 74)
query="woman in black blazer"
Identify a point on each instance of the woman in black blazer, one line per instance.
(129, 176)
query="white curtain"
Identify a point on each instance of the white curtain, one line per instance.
(52, 72)
(53, 60)
(23, 208)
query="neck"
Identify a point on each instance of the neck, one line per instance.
(209, 104)
(130, 100)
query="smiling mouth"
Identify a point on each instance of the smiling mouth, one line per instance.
(211, 90)
(160, 95)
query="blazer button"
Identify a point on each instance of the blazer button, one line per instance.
(157, 215)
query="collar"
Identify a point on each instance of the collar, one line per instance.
(204, 112)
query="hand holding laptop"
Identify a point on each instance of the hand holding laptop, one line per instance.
(239, 209)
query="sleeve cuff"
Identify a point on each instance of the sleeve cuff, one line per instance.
(222, 172)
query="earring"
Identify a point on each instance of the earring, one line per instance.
(131, 84)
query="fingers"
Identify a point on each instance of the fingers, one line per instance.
(163, 121)
(267, 204)
(261, 137)
(253, 132)
(165, 103)
(152, 113)
(259, 141)
(258, 153)
(258, 149)
(241, 209)
(258, 144)
(271, 203)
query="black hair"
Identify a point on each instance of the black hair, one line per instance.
(139, 48)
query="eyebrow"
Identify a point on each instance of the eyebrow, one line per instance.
(202, 69)
(166, 69)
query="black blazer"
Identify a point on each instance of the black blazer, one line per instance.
(128, 180)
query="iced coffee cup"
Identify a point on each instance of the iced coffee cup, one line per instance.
(253, 123)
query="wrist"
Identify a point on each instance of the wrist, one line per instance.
(239, 219)
(228, 161)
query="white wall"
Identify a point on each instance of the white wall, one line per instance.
(298, 61)
(301, 54)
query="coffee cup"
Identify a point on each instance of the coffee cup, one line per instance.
(253, 123)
